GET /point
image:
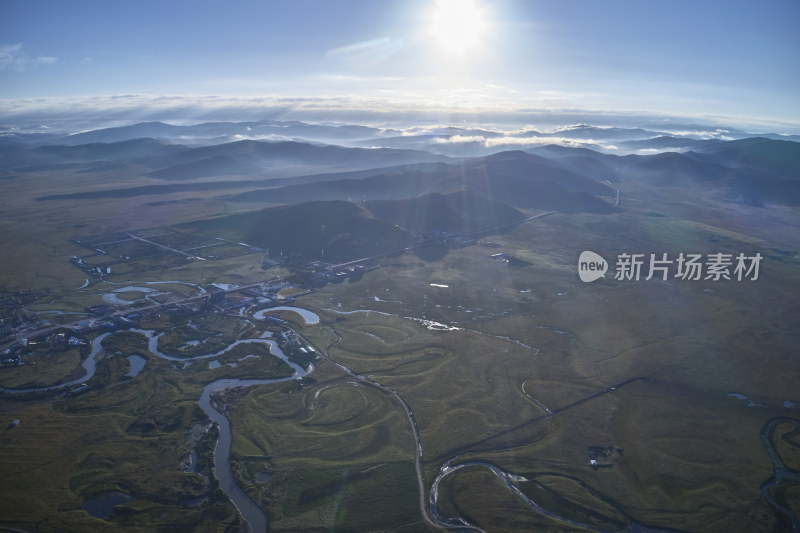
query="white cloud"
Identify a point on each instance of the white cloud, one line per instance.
(700, 134)
(506, 140)
(410, 114)
(462, 139)
(9, 54)
(12, 56)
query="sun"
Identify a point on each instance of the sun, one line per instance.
(458, 26)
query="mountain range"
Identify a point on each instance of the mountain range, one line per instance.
(383, 194)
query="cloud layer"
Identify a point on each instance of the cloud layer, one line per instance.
(91, 112)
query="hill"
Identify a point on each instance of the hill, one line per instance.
(334, 231)
(516, 178)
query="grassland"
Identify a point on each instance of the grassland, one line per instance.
(692, 458)
(43, 367)
(125, 435)
(340, 454)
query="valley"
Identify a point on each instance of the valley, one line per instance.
(451, 372)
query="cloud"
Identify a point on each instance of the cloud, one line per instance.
(409, 110)
(12, 56)
(719, 133)
(365, 53)
(492, 142)
(462, 139)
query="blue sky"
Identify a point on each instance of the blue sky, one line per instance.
(732, 60)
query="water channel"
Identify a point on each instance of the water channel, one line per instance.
(250, 511)
(89, 366)
(257, 519)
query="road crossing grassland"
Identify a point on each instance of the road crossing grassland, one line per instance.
(692, 454)
(681, 434)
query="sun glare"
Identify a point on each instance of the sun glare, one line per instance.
(458, 26)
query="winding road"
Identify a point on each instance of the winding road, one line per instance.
(409, 413)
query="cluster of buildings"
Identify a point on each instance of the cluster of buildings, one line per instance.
(55, 341)
(295, 347)
(600, 455)
(320, 273)
(11, 356)
(98, 271)
(15, 320)
(231, 298)
(446, 238)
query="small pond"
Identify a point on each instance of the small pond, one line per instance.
(137, 364)
(103, 507)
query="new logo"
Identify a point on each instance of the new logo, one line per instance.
(591, 266)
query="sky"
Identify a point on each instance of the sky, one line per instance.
(710, 61)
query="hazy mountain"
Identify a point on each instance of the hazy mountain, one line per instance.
(515, 178)
(216, 165)
(671, 168)
(755, 170)
(585, 131)
(342, 231)
(144, 148)
(16, 138)
(519, 164)
(253, 157)
(462, 212)
(122, 133)
(225, 132)
(581, 161)
(778, 157)
(123, 150)
(334, 231)
(664, 142)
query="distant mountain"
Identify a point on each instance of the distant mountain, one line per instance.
(122, 133)
(144, 148)
(140, 148)
(672, 169)
(334, 231)
(532, 167)
(664, 142)
(585, 131)
(756, 170)
(226, 132)
(386, 205)
(778, 157)
(463, 212)
(515, 178)
(285, 157)
(343, 231)
(777, 137)
(216, 165)
(21, 139)
(581, 161)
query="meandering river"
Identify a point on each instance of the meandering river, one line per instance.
(250, 511)
(257, 519)
(89, 366)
